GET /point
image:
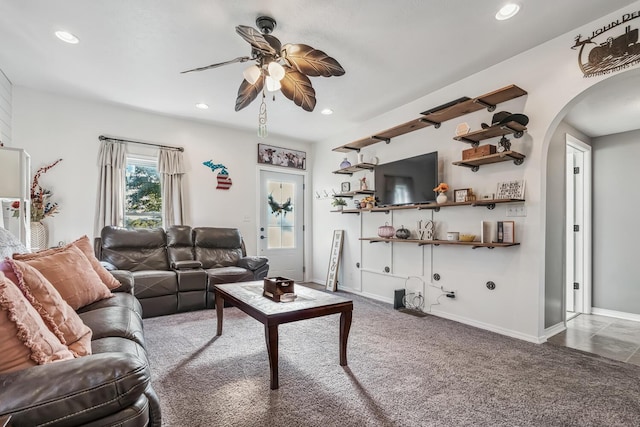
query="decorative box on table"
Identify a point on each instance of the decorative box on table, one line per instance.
(279, 289)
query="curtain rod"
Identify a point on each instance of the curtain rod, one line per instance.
(105, 138)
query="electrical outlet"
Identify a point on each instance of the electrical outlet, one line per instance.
(516, 210)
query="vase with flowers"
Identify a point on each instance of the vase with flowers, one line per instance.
(441, 189)
(41, 208)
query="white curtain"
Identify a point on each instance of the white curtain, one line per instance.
(171, 169)
(112, 161)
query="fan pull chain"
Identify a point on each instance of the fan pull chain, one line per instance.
(262, 118)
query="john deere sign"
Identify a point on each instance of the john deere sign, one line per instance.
(610, 48)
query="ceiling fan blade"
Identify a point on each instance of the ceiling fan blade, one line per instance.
(219, 64)
(273, 42)
(248, 92)
(297, 87)
(310, 61)
(255, 39)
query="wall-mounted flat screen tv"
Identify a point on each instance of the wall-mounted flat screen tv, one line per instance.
(407, 181)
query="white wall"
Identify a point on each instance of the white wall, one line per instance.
(5, 110)
(615, 222)
(517, 307)
(50, 126)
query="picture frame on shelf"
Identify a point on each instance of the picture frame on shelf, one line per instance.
(510, 190)
(345, 187)
(460, 195)
(508, 232)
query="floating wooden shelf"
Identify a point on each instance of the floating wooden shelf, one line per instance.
(436, 116)
(508, 128)
(505, 156)
(473, 245)
(355, 193)
(355, 168)
(466, 106)
(488, 203)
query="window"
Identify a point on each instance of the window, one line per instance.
(143, 198)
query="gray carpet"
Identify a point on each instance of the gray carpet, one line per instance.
(403, 371)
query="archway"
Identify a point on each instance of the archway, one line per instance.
(604, 108)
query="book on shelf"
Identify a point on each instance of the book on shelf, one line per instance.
(486, 231)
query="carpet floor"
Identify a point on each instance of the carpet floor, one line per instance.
(403, 371)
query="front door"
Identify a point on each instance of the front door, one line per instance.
(281, 237)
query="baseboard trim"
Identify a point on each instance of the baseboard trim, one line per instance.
(616, 314)
(489, 327)
(461, 319)
(554, 330)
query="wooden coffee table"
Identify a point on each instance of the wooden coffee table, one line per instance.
(247, 296)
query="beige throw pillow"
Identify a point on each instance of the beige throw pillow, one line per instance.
(70, 272)
(24, 338)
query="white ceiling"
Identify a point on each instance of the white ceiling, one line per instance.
(131, 52)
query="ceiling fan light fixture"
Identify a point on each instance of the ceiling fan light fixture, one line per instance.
(273, 85)
(252, 74)
(276, 71)
(507, 11)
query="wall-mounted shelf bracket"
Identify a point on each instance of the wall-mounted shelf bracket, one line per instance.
(386, 140)
(431, 122)
(490, 107)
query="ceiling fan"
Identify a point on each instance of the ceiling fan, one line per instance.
(279, 67)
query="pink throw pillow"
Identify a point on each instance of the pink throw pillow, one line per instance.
(70, 272)
(84, 244)
(59, 317)
(24, 338)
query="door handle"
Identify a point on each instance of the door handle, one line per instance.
(261, 228)
(262, 237)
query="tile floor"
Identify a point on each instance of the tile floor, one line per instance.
(606, 336)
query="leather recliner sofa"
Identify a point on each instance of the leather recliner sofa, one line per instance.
(174, 270)
(110, 387)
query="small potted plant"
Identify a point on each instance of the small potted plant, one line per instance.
(339, 203)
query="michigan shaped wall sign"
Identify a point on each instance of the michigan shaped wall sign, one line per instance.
(223, 178)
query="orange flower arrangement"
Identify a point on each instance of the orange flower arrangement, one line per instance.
(443, 187)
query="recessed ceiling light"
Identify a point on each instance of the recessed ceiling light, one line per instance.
(202, 106)
(327, 111)
(507, 11)
(67, 37)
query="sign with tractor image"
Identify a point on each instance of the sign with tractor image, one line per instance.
(610, 48)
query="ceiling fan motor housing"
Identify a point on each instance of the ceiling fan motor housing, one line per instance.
(266, 24)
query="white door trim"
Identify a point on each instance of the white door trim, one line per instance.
(587, 220)
(306, 216)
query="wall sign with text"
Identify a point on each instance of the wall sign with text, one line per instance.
(610, 48)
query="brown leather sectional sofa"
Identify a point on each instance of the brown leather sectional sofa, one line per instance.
(111, 387)
(175, 270)
(167, 271)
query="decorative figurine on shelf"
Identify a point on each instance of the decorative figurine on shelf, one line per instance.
(345, 163)
(426, 232)
(363, 183)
